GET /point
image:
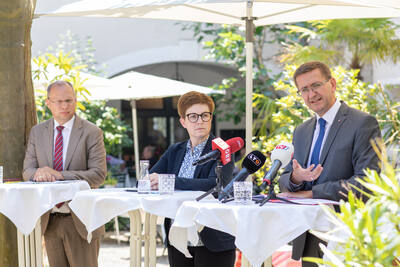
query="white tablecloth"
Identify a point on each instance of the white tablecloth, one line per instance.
(259, 231)
(96, 207)
(23, 203)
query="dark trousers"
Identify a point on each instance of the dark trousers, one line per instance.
(202, 257)
(312, 249)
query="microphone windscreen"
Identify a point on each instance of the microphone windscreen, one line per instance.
(283, 152)
(253, 161)
(235, 143)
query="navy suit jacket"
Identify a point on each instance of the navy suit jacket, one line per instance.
(203, 180)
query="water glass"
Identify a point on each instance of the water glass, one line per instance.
(242, 192)
(143, 186)
(166, 183)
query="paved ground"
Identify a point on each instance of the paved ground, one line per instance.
(114, 255)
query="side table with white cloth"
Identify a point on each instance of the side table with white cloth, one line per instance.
(96, 207)
(30, 200)
(259, 231)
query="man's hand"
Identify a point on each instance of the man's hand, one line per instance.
(299, 194)
(300, 175)
(47, 174)
(154, 181)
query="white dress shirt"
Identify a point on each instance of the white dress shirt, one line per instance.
(329, 117)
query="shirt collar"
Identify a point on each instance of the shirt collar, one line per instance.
(68, 124)
(330, 115)
(199, 147)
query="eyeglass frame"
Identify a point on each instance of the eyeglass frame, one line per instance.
(60, 102)
(313, 87)
(198, 116)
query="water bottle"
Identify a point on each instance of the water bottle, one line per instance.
(144, 178)
(1, 174)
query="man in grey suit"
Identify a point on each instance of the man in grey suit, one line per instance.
(66, 147)
(330, 150)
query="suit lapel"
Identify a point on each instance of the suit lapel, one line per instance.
(180, 154)
(336, 125)
(307, 137)
(76, 133)
(48, 146)
(206, 149)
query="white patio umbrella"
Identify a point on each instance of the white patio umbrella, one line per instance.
(92, 82)
(135, 85)
(239, 12)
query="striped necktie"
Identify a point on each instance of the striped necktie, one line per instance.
(58, 150)
(58, 155)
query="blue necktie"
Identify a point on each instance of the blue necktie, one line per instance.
(317, 148)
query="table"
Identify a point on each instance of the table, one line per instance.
(259, 231)
(30, 200)
(96, 207)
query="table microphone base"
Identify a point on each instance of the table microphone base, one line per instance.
(272, 196)
(254, 198)
(216, 189)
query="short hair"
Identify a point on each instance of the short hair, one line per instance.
(192, 98)
(59, 83)
(310, 66)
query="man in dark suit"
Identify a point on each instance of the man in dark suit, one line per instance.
(215, 248)
(330, 150)
(66, 147)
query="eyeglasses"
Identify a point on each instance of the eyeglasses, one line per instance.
(194, 117)
(313, 87)
(60, 102)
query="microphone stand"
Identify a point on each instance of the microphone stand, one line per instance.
(217, 188)
(272, 196)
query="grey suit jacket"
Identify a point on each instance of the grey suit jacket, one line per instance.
(346, 153)
(85, 160)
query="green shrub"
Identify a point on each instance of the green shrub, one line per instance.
(367, 234)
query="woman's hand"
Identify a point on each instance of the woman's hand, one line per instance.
(154, 181)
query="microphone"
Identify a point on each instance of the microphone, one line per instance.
(221, 150)
(280, 157)
(251, 163)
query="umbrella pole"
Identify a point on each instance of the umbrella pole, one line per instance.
(135, 137)
(249, 75)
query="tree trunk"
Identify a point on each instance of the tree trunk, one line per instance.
(17, 109)
(356, 65)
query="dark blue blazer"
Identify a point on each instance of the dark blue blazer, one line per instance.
(203, 180)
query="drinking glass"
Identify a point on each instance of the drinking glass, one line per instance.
(242, 192)
(166, 183)
(143, 186)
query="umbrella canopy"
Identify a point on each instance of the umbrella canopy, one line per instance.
(240, 12)
(135, 86)
(230, 11)
(92, 82)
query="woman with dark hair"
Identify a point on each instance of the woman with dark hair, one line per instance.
(215, 248)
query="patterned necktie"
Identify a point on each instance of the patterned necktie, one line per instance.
(58, 155)
(317, 148)
(58, 150)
